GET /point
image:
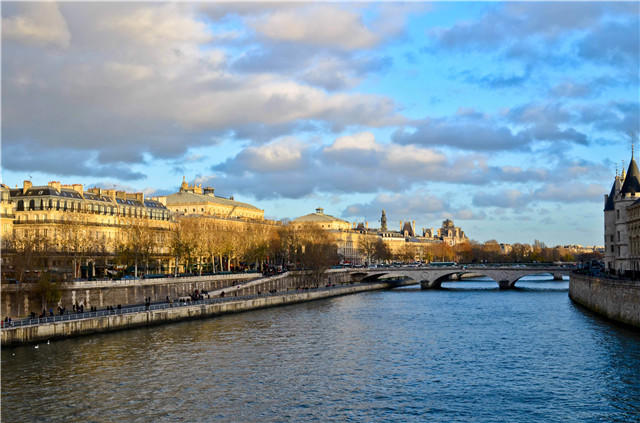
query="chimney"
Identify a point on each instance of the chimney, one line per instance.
(366, 225)
(413, 226)
(111, 193)
(231, 198)
(25, 186)
(121, 195)
(77, 188)
(209, 191)
(401, 226)
(55, 185)
(137, 196)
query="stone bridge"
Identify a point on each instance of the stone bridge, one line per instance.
(430, 278)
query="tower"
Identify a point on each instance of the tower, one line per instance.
(621, 222)
(383, 221)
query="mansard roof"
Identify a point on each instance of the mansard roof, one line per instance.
(608, 206)
(631, 183)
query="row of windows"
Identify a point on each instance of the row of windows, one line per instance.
(95, 208)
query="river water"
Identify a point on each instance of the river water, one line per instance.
(466, 353)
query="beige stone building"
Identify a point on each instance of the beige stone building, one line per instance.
(193, 199)
(354, 240)
(325, 221)
(78, 231)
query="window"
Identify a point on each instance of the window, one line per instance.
(618, 236)
(618, 214)
(32, 204)
(20, 206)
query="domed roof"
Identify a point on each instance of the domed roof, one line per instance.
(318, 217)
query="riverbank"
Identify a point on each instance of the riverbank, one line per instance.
(127, 320)
(614, 299)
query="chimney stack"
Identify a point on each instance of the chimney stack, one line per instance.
(77, 188)
(55, 185)
(25, 186)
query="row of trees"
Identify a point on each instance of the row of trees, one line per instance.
(373, 249)
(200, 244)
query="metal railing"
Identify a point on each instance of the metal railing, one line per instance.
(165, 305)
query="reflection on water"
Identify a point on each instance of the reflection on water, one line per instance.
(466, 353)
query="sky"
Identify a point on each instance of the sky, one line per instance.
(509, 118)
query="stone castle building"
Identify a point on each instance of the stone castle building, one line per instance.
(622, 222)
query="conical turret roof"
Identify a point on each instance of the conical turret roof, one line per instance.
(608, 206)
(631, 183)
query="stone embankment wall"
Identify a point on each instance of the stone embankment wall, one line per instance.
(614, 299)
(19, 299)
(64, 329)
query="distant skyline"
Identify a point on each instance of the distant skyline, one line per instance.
(509, 118)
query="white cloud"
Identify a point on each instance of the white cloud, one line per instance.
(40, 24)
(282, 155)
(156, 25)
(319, 25)
(360, 141)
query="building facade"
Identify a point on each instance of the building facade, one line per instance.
(76, 232)
(622, 222)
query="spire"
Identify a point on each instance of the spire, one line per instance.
(609, 205)
(631, 184)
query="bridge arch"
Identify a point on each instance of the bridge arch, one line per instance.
(432, 278)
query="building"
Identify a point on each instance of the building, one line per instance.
(76, 232)
(325, 221)
(193, 199)
(356, 241)
(622, 222)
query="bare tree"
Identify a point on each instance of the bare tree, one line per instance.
(367, 247)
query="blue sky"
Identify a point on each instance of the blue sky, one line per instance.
(509, 118)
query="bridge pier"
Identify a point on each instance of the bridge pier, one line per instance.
(504, 284)
(428, 285)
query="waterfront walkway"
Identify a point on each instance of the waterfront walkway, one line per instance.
(214, 297)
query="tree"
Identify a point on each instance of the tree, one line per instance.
(407, 253)
(47, 290)
(73, 241)
(318, 258)
(367, 247)
(382, 252)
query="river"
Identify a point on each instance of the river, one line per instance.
(466, 353)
